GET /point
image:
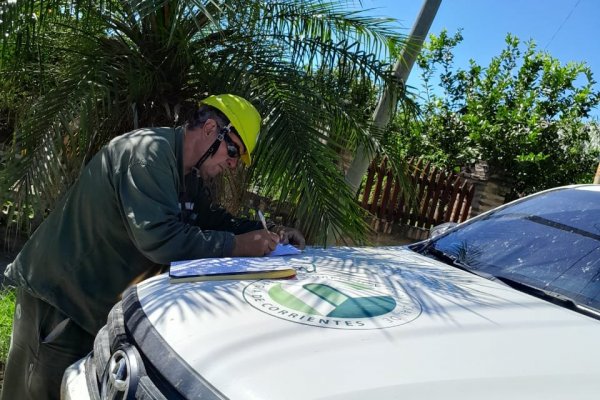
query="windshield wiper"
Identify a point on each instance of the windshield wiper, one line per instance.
(571, 229)
(454, 261)
(446, 258)
(549, 295)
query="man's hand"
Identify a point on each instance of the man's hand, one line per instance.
(291, 236)
(255, 243)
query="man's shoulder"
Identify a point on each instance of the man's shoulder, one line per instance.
(146, 134)
(144, 143)
(157, 147)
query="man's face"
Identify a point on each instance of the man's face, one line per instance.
(226, 157)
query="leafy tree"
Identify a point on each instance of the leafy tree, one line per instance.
(106, 67)
(525, 114)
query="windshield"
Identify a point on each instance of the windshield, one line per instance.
(550, 241)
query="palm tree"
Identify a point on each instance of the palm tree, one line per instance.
(106, 67)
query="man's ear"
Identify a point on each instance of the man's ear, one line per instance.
(209, 126)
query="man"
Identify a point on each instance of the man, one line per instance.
(139, 203)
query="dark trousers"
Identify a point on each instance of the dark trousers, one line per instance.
(44, 343)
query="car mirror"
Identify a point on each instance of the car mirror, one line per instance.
(441, 228)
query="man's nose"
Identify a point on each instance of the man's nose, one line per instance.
(232, 163)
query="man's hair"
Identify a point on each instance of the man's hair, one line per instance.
(204, 113)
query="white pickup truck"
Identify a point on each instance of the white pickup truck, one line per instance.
(504, 306)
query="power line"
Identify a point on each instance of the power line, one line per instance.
(563, 24)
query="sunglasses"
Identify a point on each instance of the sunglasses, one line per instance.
(233, 150)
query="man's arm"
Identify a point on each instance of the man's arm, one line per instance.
(217, 218)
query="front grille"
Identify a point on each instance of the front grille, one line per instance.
(121, 372)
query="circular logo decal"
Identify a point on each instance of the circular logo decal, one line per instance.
(333, 301)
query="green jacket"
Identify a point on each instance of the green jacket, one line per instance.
(120, 219)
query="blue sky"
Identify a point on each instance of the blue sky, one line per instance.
(568, 29)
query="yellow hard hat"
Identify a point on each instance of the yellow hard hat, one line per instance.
(243, 117)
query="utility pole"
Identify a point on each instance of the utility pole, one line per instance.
(388, 100)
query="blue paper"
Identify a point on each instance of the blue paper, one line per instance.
(284, 250)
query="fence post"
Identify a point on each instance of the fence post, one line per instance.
(381, 171)
(368, 185)
(490, 189)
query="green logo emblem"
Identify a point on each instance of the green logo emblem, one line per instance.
(333, 301)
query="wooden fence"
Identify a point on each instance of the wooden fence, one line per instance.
(438, 196)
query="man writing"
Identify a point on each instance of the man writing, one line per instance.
(137, 204)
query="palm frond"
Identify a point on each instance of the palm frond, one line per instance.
(124, 64)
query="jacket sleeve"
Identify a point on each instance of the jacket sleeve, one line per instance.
(217, 218)
(148, 199)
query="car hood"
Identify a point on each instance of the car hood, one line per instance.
(378, 323)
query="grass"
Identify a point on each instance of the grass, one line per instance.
(7, 309)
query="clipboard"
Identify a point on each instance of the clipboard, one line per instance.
(230, 268)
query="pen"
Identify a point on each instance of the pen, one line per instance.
(262, 220)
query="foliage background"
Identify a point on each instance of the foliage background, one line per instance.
(525, 114)
(74, 74)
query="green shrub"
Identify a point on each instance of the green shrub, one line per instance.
(526, 114)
